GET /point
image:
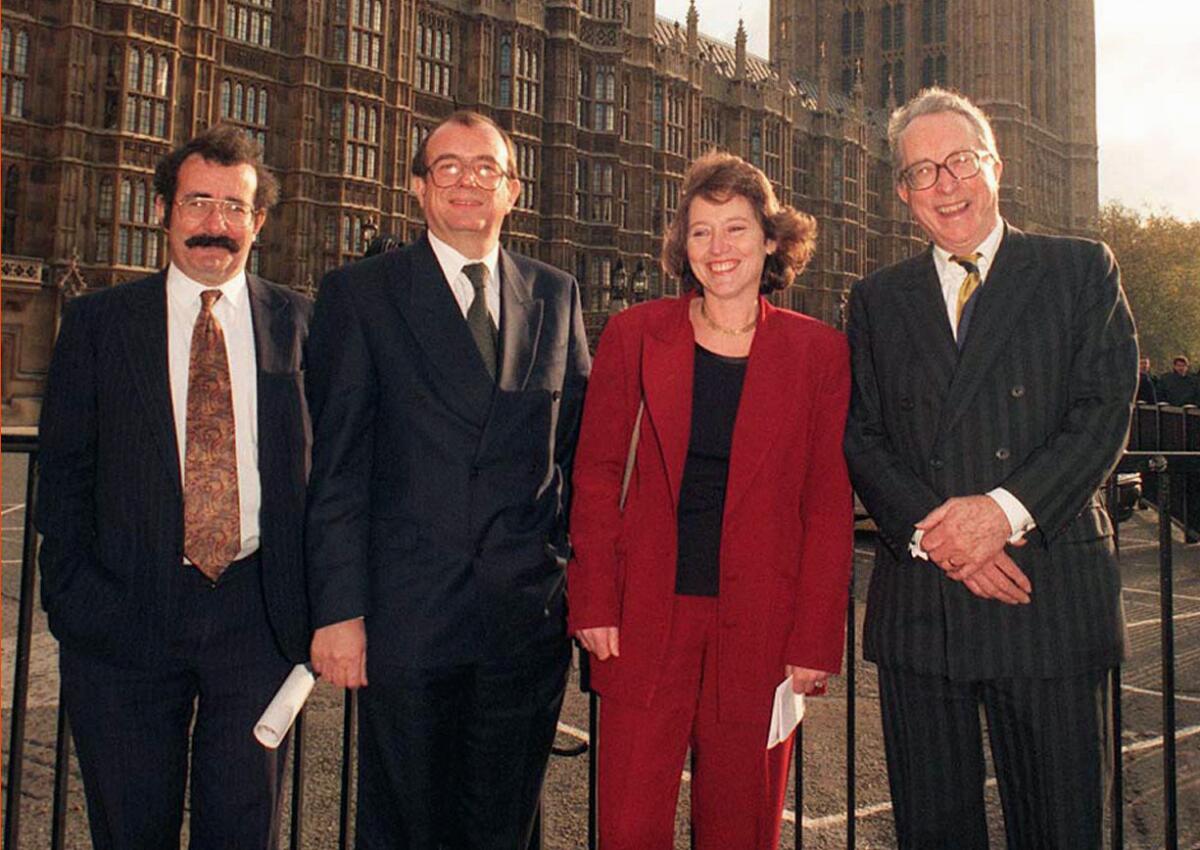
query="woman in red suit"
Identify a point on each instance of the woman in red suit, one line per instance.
(728, 568)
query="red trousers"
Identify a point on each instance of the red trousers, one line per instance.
(738, 785)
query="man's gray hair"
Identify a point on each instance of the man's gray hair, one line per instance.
(929, 102)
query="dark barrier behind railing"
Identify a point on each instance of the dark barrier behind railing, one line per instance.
(1164, 447)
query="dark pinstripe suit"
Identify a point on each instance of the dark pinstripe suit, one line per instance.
(141, 634)
(1038, 402)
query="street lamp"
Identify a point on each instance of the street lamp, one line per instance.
(617, 288)
(641, 284)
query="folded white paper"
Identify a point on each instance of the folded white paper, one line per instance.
(786, 713)
(277, 720)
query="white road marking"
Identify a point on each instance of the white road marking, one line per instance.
(1157, 593)
(1189, 616)
(839, 819)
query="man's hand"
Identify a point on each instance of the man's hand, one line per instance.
(1000, 579)
(601, 641)
(339, 653)
(965, 533)
(806, 680)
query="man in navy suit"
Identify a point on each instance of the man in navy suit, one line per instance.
(994, 375)
(174, 453)
(446, 388)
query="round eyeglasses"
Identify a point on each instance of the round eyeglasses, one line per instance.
(961, 165)
(449, 171)
(233, 213)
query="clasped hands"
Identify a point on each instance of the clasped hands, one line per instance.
(604, 642)
(965, 536)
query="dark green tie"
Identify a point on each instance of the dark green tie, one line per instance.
(478, 318)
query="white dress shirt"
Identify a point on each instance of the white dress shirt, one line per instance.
(951, 276)
(452, 263)
(232, 311)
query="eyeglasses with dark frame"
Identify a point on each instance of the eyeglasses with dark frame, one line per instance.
(961, 165)
(233, 213)
(448, 171)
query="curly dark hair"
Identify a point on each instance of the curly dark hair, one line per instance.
(224, 144)
(718, 176)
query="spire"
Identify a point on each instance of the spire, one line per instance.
(739, 42)
(822, 80)
(856, 91)
(693, 27)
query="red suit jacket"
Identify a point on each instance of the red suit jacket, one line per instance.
(787, 533)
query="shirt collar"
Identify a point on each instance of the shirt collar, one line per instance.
(185, 292)
(452, 261)
(986, 249)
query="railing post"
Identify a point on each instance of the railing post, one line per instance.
(1117, 830)
(1167, 631)
(62, 761)
(851, 710)
(349, 725)
(297, 819)
(20, 690)
(798, 772)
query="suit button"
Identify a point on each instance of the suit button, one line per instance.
(1018, 390)
(907, 404)
(1003, 453)
(936, 463)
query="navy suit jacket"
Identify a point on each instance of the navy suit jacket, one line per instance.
(1038, 402)
(437, 506)
(110, 500)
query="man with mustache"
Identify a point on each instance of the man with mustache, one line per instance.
(174, 453)
(446, 384)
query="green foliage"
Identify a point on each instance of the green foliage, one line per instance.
(1159, 257)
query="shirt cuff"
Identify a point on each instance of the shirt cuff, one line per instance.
(914, 546)
(1020, 521)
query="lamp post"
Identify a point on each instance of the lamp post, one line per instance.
(617, 289)
(641, 283)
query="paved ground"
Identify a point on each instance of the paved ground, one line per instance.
(824, 806)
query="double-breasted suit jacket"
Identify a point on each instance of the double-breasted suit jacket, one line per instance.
(786, 535)
(437, 509)
(110, 499)
(1038, 402)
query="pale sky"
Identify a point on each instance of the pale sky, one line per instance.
(1147, 77)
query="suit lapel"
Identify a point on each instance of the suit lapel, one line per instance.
(428, 308)
(668, 361)
(145, 338)
(520, 325)
(925, 309)
(274, 329)
(773, 374)
(1001, 301)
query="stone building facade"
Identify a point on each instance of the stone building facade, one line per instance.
(607, 103)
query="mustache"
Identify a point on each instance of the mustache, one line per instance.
(208, 240)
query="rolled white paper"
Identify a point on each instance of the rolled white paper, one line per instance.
(277, 720)
(786, 713)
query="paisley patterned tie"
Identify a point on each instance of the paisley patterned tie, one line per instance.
(212, 533)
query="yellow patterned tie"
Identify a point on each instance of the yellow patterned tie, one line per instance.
(212, 534)
(968, 262)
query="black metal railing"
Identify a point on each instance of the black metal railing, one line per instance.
(1164, 448)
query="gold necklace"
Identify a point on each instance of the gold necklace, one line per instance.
(744, 329)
